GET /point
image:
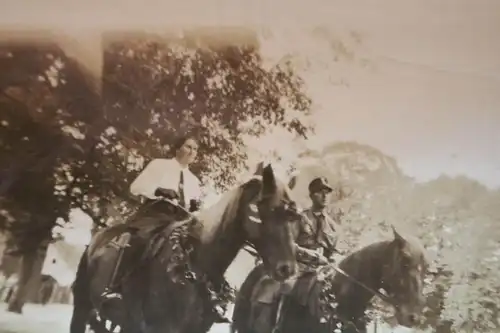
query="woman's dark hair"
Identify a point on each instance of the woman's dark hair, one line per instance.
(179, 142)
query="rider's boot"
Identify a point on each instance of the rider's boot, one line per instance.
(111, 292)
(280, 314)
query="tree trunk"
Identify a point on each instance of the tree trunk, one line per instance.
(9, 263)
(29, 277)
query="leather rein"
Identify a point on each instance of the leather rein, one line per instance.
(332, 267)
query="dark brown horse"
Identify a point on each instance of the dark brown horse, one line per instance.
(328, 298)
(168, 291)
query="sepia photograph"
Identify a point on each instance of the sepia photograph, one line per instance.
(250, 167)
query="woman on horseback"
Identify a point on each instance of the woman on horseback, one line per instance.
(171, 179)
(161, 178)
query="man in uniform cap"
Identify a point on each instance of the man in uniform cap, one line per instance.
(317, 238)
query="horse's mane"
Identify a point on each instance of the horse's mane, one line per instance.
(377, 251)
(356, 259)
(211, 220)
(216, 217)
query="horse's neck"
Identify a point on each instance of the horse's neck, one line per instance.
(220, 239)
(215, 256)
(364, 266)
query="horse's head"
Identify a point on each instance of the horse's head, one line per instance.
(403, 275)
(269, 215)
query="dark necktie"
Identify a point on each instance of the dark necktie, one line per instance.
(320, 217)
(181, 190)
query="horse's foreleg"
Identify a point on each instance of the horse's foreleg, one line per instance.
(82, 310)
(79, 318)
(82, 305)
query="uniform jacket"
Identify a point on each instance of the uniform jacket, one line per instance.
(318, 233)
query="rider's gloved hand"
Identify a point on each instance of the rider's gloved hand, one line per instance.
(166, 193)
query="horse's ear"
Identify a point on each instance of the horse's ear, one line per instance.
(268, 180)
(292, 182)
(397, 236)
(259, 170)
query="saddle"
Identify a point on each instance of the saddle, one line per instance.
(141, 244)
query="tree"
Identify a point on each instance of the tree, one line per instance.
(76, 153)
(156, 88)
(45, 98)
(463, 220)
(179, 85)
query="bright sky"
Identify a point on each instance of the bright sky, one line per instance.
(432, 98)
(430, 95)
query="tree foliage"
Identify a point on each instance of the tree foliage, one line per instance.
(155, 90)
(63, 146)
(43, 95)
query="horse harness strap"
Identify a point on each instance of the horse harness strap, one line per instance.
(382, 296)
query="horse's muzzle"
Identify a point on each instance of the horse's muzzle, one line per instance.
(284, 270)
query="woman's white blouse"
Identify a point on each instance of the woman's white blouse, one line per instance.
(165, 173)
